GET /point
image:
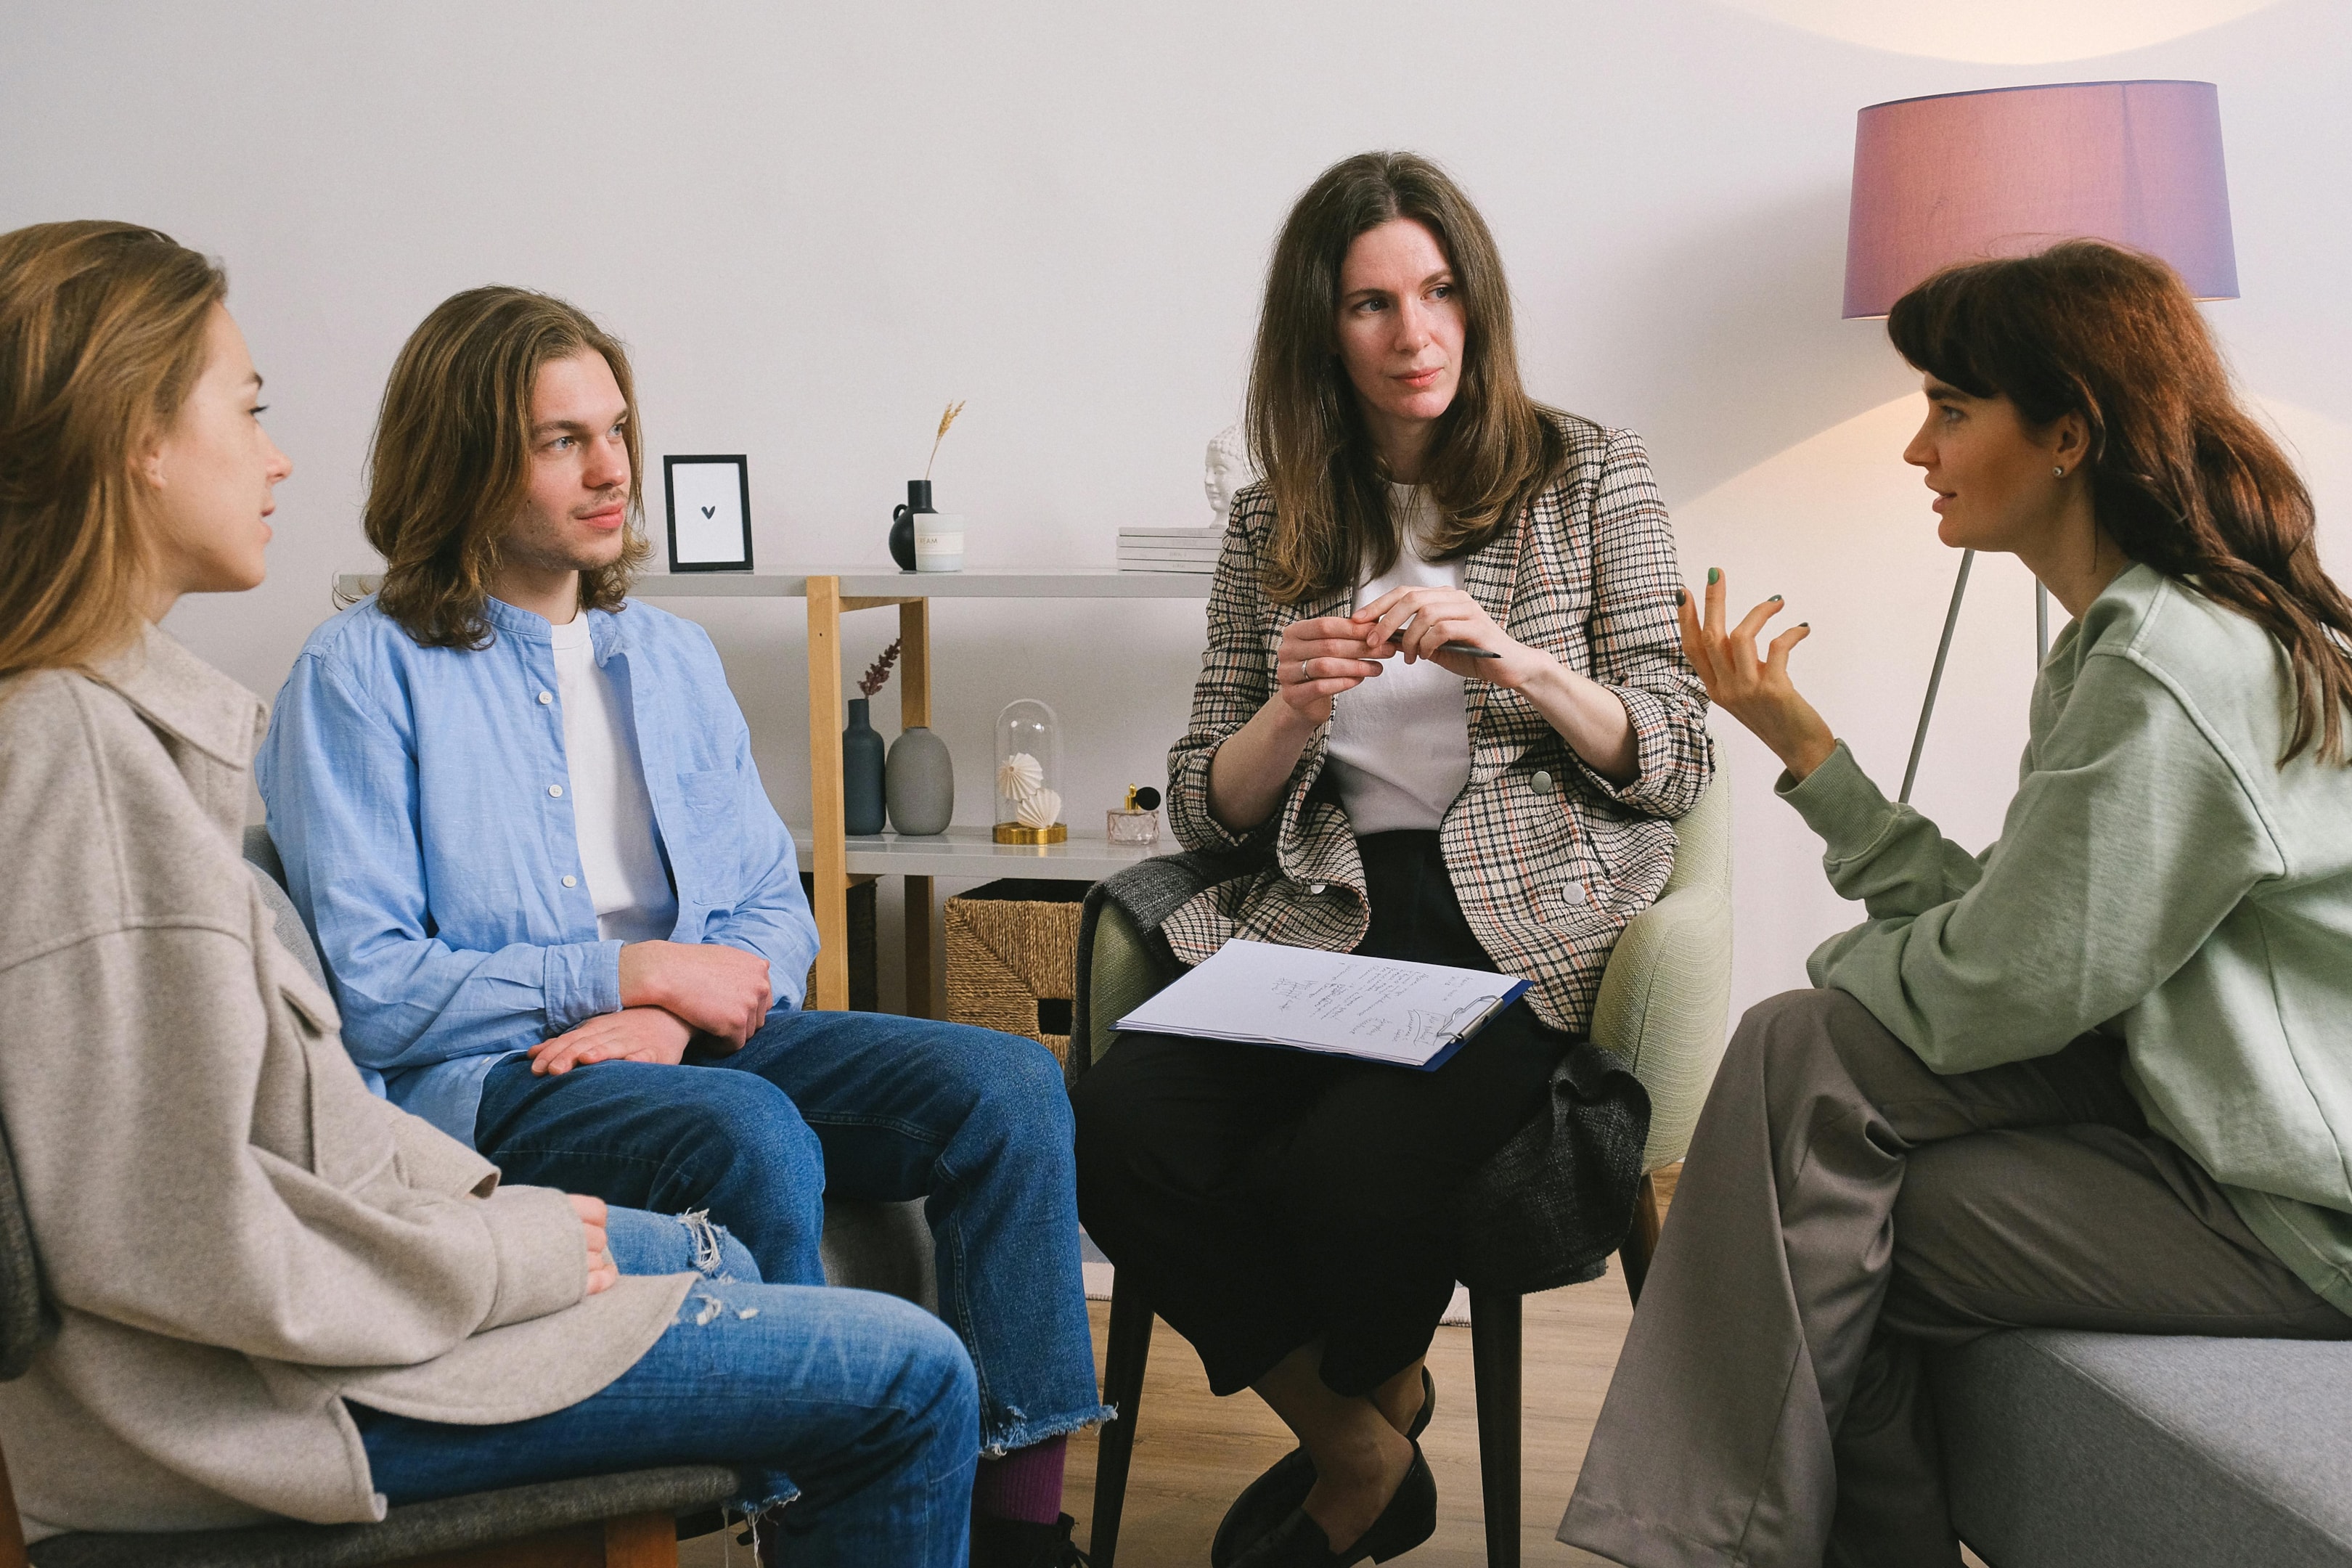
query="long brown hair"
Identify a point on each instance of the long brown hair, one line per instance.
(102, 334)
(1492, 449)
(452, 458)
(2181, 476)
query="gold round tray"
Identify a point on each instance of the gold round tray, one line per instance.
(1015, 833)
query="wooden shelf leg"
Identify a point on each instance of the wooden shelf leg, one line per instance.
(920, 1001)
(828, 848)
(915, 708)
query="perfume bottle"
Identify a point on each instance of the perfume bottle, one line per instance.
(1138, 821)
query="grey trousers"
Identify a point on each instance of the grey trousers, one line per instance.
(1843, 1207)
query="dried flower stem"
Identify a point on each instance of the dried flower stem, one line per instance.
(879, 674)
(945, 420)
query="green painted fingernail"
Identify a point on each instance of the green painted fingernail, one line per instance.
(1679, 598)
(1714, 575)
(1804, 625)
(1775, 598)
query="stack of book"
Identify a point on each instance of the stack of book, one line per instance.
(1190, 550)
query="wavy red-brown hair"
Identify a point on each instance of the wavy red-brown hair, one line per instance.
(2181, 476)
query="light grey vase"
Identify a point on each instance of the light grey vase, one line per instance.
(919, 780)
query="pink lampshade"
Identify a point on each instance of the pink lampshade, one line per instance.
(1965, 175)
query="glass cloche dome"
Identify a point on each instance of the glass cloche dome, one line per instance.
(1029, 774)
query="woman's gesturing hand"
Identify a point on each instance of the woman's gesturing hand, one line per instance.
(1755, 690)
(1318, 660)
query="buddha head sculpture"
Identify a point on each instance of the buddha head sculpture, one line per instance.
(1228, 471)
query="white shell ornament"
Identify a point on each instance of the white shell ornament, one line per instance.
(1020, 776)
(1040, 808)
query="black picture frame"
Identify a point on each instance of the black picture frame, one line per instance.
(742, 467)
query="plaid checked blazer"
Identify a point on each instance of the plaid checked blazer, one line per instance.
(1547, 876)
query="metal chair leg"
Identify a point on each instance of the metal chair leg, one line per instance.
(1129, 1349)
(1494, 1344)
(1650, 1201)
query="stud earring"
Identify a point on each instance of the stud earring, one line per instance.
(2057, 473)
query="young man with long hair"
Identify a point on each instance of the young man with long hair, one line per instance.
(2094, 1078)
(565, 924)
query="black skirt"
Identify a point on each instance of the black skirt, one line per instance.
(1267, 1198)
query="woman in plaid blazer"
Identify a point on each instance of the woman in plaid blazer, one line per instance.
(1508, 809)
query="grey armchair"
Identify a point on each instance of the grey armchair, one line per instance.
(1661, 1008)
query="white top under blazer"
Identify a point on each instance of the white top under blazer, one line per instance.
(1400, 741)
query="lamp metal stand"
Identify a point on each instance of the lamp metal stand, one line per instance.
(1943, 648)
(1935, 676)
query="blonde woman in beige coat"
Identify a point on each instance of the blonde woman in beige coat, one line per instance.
(275, 1294)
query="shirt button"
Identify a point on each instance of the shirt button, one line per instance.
(555, 789)
(1540, 781)
(570, 882)
(545, 697)
(1316, 890)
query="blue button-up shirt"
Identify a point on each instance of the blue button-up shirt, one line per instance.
(420, 800)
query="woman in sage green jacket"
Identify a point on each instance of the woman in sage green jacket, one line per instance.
(273, 1294)
(2098, 1077)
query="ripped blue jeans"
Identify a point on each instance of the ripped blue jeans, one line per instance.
(857, 1408)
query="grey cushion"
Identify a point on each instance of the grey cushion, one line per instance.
(2081, 1450)
(883, 1247)
(416, 1530)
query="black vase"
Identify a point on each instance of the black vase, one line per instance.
(861, 774)
(902, 523)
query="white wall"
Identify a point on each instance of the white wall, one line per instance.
(815, 224)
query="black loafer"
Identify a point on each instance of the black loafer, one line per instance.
(1409, 1518)
(1277, 1494)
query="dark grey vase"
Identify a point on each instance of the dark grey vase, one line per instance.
(861, 772)
(921, 783)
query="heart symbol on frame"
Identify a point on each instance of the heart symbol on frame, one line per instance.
(708, 511)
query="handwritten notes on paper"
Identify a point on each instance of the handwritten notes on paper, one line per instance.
(1381, 1009)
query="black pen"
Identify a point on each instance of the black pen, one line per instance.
(1454, 647)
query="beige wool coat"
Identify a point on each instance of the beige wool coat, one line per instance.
(236, 1235)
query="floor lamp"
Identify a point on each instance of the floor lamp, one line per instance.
(1965, 175)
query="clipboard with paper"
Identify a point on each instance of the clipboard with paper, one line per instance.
(1340, 1003)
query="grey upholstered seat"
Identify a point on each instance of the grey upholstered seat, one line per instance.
(2081, 1450)
(416, 1530)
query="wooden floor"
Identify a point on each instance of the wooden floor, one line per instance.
(1193, 1452)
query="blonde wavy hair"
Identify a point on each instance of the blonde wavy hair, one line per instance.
(101, 335)
(452, 458)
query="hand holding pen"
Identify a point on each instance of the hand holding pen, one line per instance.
(1450, 629)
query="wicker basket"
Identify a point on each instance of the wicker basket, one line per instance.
(1012, 958)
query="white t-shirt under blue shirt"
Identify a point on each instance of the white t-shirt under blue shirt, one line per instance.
(612, 816)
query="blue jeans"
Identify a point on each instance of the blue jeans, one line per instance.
(859, 1406)
(975, 1122)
